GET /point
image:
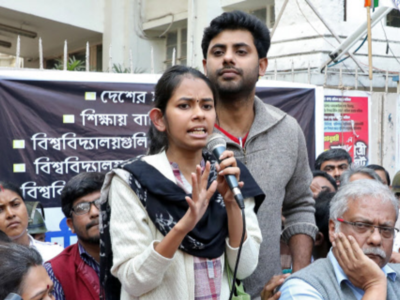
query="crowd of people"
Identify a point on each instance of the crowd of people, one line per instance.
(168, 225)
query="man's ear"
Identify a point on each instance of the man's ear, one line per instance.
(205, 66)
(70, 225)
(156, 116)
(262, 66)
(319, 239)
(332, 230)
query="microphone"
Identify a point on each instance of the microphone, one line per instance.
(216, 144)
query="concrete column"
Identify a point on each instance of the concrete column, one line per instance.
(384, 131)
(120, 21)
(200, 14)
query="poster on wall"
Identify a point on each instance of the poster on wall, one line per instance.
(346, 123)
(56, 125)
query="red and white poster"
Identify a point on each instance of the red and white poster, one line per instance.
(346, 123)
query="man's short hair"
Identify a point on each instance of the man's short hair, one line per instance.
(79, 186)
(345, 177)
(322, 213)
(319, 173)
(359, 189)
(238, 20)
(332, 154)
(380, 168)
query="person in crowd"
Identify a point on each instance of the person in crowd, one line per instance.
(361, 229)
(396, 185)
(37, 227)
(381, 171)
(171, 232)
(322, 242)
(22, 273)
(321, 246)
(267, 140)
(334, 162)
(75, 272)
(396, 246)
(357, 173)
(321, 182)
(14, 221)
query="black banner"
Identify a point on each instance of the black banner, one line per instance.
(53, 130)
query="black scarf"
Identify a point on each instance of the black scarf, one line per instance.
(165, 203)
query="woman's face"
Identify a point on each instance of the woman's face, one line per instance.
(37, 285)
(190, 115)
(13, 214)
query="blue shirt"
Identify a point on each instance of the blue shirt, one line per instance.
(58, 290)
(299, 289)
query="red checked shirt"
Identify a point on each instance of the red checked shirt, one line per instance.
(207, 272)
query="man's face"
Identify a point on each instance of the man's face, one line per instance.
(13, 214)
(86, 226)
(335, 168)
(371, 211)
(232, 62)
(323, 183)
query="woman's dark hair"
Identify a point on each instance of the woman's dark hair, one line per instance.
(380, 168)
(238, 20)
(78, 186)
(6, 185)
(322, 213)
(163, 91)
(15, 262)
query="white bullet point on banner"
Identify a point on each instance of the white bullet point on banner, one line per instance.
(18, 144)
(19, 168)
(68, 118)
(90, 96)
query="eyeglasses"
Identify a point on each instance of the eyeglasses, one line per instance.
(84, 207)
(362, 228)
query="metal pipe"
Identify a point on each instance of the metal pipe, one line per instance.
(333, 33)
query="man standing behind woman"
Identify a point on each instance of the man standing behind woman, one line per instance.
(267, 140)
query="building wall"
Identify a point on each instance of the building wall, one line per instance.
(88, 14)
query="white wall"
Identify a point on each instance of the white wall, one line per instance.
(88, 14)
(158, 8)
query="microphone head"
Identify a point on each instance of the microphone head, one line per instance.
(215, 140)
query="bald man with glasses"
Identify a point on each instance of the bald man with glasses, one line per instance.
(76, 271)
(361, 228)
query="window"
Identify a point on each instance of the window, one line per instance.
(266, 15)
(176, 40)
(260, 14)
(393, 18)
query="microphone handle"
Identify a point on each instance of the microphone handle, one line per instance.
(230, 179)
